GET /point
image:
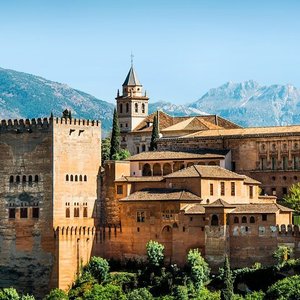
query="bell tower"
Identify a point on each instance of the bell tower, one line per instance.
(132, 105)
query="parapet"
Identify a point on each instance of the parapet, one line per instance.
(24, 125)
(288, 229)
(79, 122)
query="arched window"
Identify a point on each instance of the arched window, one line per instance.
(67, 177)
(244, 219)
(167, 169)
(143, 148)
(143, 108)
(30, 178)
(156, 170)
(76, 178)
(121, 108)
(85, 178)
(127, 107)
(136, 107)
(146, 170)
(252, 219)
(18, 179)
(68, 212)
(71, 177)
(214, 220)
(236, 220)
(80, 177)
(36, 178)
(76, 212)
(11, 179)
(24, 178)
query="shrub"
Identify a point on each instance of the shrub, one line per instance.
(181, 293)
(205, 294)
(127, 281)
(27, 297)
(155, 253)
(255, 296)
(98, 267)
(281, 254)
(285, 289)
(198, 267)
(81, 285)
(57, 294)
(9, 294)
(140, 294)
(107, 292)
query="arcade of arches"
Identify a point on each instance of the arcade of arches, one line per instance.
(165, 168)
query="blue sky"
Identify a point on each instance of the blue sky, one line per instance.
(181, 48)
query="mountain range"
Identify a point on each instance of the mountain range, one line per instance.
(247, 103)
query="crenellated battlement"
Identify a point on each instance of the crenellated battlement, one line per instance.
(292, 230)
(79, 122)
(22, 125)
(74, 231)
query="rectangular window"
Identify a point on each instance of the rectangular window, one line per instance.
(140, 216)
(222, 184)
(233, 167)
(35, 212)
(76, 212)
(211, 188)
(285, 162)
(12, 213)
(263, 163)
(264, 217)
(296, 162)
(273, 163)
(284, 190)
(251, 192)
(274, 191)
(232, 188)
(119, 189)
(85, 212)
(23, 212)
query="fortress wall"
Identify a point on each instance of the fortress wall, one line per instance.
(26, 242)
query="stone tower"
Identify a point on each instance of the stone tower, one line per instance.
(132, 105)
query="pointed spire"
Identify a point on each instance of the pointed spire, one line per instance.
(131, 78)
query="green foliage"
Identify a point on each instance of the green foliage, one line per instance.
(57, 294)
(199, 268)
(285, 289)
(115, 136)
(181, 292)
(293, 197)
(105, 149)
(27, 297)
(255, 296)
(83, 284)
(98, 267)
(121, 155)
(107, 292)
(9, 294)
(282, 254)
(155, 134)
(155, 253)
(140, 294)
(205, 294)
(227, 291)
(127, 281)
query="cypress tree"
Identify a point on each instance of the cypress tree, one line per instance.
(155, 134)
(227, 291)
(115, 137)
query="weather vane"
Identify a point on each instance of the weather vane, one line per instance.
(131, 58)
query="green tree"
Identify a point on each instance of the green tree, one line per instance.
(205, 294)
(282, 254)
(255, 296)
(227, 291)
(121, 155)
(105, 149)
(98, 267)
(155, 134)
(155, 253)
(115, 136)
(140, 294)
(57, 294)
(198, 267)
(181, 292)
(9, 294)
(107, 292)
(292, 199)
(27, 297)
(285, 289)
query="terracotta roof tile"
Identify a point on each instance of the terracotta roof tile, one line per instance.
(162, 195)
(196, 208)
(260, 208)
(139, 179)
(164, 155)
(206, 172)
(220, 203)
